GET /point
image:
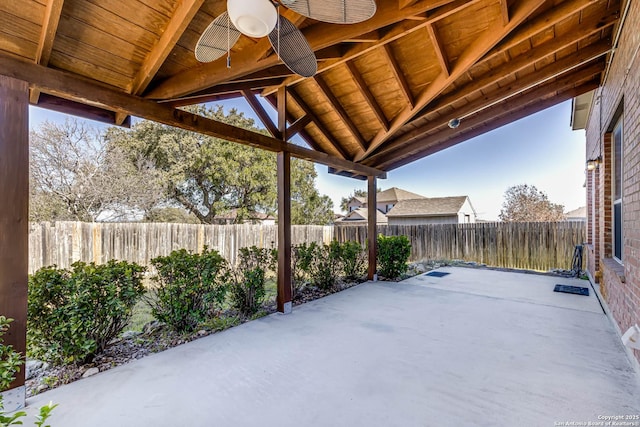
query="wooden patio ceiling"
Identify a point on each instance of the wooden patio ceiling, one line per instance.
(385, 90)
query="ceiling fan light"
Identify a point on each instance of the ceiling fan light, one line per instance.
(253, 18)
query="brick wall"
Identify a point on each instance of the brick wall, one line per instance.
(619, 283)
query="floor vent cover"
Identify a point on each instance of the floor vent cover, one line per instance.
(436, 274)
(572, 290)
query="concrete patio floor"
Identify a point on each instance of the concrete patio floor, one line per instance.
(473, 348)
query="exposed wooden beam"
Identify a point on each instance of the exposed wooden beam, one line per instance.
(405, 3)
(66, 106)
(337, 106)
(72, 86)
(298, 125)
(368, 96)
(372, 229)
(543, 22)
(396, 32)
(180, 20)
(248, 61)
(202, 99)
(529, 103)
(467, 59)
(553, 70)
(438, 48)
(316, 121)
(331, 52)
(282, 112)
(14, 220)
(511, 117)
(47, 36)
(370, 37)
(272, 99)
(399, 75)
(227, 88)
(284, 297)
(504, 11)
(553, 46)
(261, 113)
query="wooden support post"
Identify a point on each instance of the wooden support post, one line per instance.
(282, 112)
(372, 231)
(14, 223)
(284, 233)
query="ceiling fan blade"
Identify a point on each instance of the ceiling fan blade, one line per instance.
(334, 11)
(293, 49)
(216, 40)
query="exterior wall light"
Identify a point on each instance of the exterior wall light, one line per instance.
(592, 164)
(631, 338)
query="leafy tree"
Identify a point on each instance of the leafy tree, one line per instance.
(345, 200)
(526, 203)
(209, 176)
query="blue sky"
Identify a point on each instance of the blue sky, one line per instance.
(539, 150)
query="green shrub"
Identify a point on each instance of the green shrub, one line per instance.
(248, 287)
(303, 259)
(73, 314)
(327, 266)
(393, 254)
(190, 287)
(353, 259)
(10, 360)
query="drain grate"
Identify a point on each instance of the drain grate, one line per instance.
(571, 290)
(436, 274)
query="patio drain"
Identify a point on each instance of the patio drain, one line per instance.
(572, 290)
(436, 274)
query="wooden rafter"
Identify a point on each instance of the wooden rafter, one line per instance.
(298, 125)
(543, 22)
(438, 47)
(337, 106)
(467, 59)
(370, 37)
(90, 112)
(405, 3)
(71, 86)
(400, 77)
(504, 11)
(490, 122)
(234, 88)
(545, 91)
(180, 20)
(255, 105)
(47, 36)
(272, 99)
(396, 32)
(318, 123)
(282, 112)
(586, 30)
(368, 96)
(319, 36)
(553, 71)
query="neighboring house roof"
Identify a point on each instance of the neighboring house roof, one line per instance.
(433, 206)
(577, 213)
(395, 194)
(360, 215)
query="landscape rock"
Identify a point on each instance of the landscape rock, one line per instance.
(90, 372)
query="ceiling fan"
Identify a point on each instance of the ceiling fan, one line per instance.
(259, 18)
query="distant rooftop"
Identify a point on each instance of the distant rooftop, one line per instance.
(433, 206)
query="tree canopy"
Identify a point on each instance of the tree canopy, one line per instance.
(526, 203)
(164, 173)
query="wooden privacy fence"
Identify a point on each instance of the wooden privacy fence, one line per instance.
(526, 245)
(63, 243)
(536, 246)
